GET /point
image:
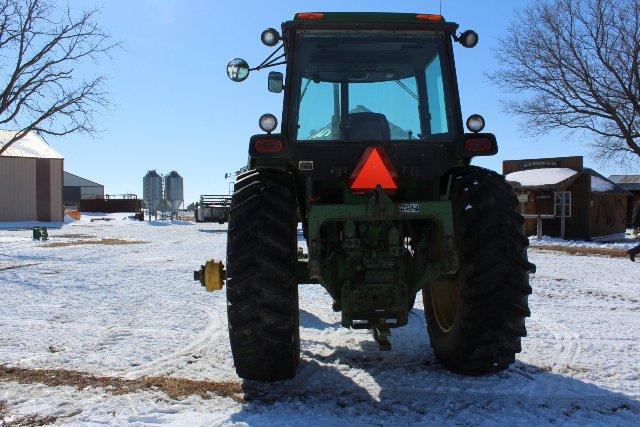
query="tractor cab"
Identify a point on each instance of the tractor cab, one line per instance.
(370, 86)
(364, 77)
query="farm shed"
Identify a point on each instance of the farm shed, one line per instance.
(76, 188)
(631, 183)
(30, 180)
(111, 203)
(595, 208)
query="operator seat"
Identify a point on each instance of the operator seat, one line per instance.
(365, 126)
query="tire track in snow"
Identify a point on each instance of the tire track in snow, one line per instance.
(173, 362)
(569, 340)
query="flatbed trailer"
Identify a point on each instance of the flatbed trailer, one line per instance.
(213, 208)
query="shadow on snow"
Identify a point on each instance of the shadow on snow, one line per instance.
(408, 384)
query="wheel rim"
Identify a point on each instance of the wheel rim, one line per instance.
(444, 299)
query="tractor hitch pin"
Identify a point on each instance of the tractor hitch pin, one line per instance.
(211, 275)
(381, 334)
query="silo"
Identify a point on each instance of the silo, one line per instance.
(173, 190)
(152, 190)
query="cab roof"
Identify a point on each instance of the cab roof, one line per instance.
(343, 20)
(368, 17)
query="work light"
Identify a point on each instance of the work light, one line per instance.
(469, 39)
(268, 122)
(270, 37)
(475, 123)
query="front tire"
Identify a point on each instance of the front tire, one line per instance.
(262, 292)
(476, 318)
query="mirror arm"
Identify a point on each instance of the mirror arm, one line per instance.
(268, 59)
(271, 63)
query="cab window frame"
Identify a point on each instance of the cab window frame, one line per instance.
(450, 89)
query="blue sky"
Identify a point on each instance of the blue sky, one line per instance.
(176, 109)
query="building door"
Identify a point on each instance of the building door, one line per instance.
(43, 190)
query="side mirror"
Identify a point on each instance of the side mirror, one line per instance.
(238, 69)
(275, 82)
(469, 39)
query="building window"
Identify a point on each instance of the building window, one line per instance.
(557, 207)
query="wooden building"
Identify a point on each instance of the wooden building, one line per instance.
(595, 208)
(631, 183)
(30, 180)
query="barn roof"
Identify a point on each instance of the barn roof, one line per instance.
(628, 182)
(562, 178)
(543, 177)
(602, 184)
(73, 180)
(31, 145)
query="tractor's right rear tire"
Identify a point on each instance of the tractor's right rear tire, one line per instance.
(262, 292)
(476, 318)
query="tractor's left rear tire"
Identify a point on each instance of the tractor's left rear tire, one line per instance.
(262, 292)
(476, 318)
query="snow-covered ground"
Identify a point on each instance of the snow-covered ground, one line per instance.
(626, 243)
(130, 311)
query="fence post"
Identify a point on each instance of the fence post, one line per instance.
(539, 227)
(562, 214)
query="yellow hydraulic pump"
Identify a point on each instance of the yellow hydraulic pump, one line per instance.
(211, 275)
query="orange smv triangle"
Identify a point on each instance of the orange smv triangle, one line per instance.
(373, 169)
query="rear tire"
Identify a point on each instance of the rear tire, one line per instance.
(262, 292)
(476, 318)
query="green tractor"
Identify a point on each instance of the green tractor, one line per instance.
(373, 161)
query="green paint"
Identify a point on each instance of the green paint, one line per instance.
(359, 253)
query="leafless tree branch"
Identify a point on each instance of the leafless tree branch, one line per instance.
(41, 48)
(575, 65)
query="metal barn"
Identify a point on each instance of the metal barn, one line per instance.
(31, 176)
(76, 188)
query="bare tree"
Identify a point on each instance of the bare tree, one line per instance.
(41, 49)
(575, 65)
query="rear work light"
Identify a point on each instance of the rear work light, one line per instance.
(268, 145)
(430, 17)
(479, 144)
(310, 16)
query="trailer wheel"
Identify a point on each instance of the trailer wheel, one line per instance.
(476, 318)
(262, 293)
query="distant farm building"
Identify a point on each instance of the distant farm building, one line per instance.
(595, 208)
(31, 176)
(76, 188)
(631, 183)
(111, 203)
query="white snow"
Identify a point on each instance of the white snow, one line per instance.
(31, 145)
(133, 310)
(624, 244)
(599, 185)
(539, 177)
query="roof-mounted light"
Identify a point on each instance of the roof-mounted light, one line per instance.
(310, 16)
(430, 17)
(270, 37)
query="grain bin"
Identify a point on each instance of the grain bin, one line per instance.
(173, 190)
(152, 190)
